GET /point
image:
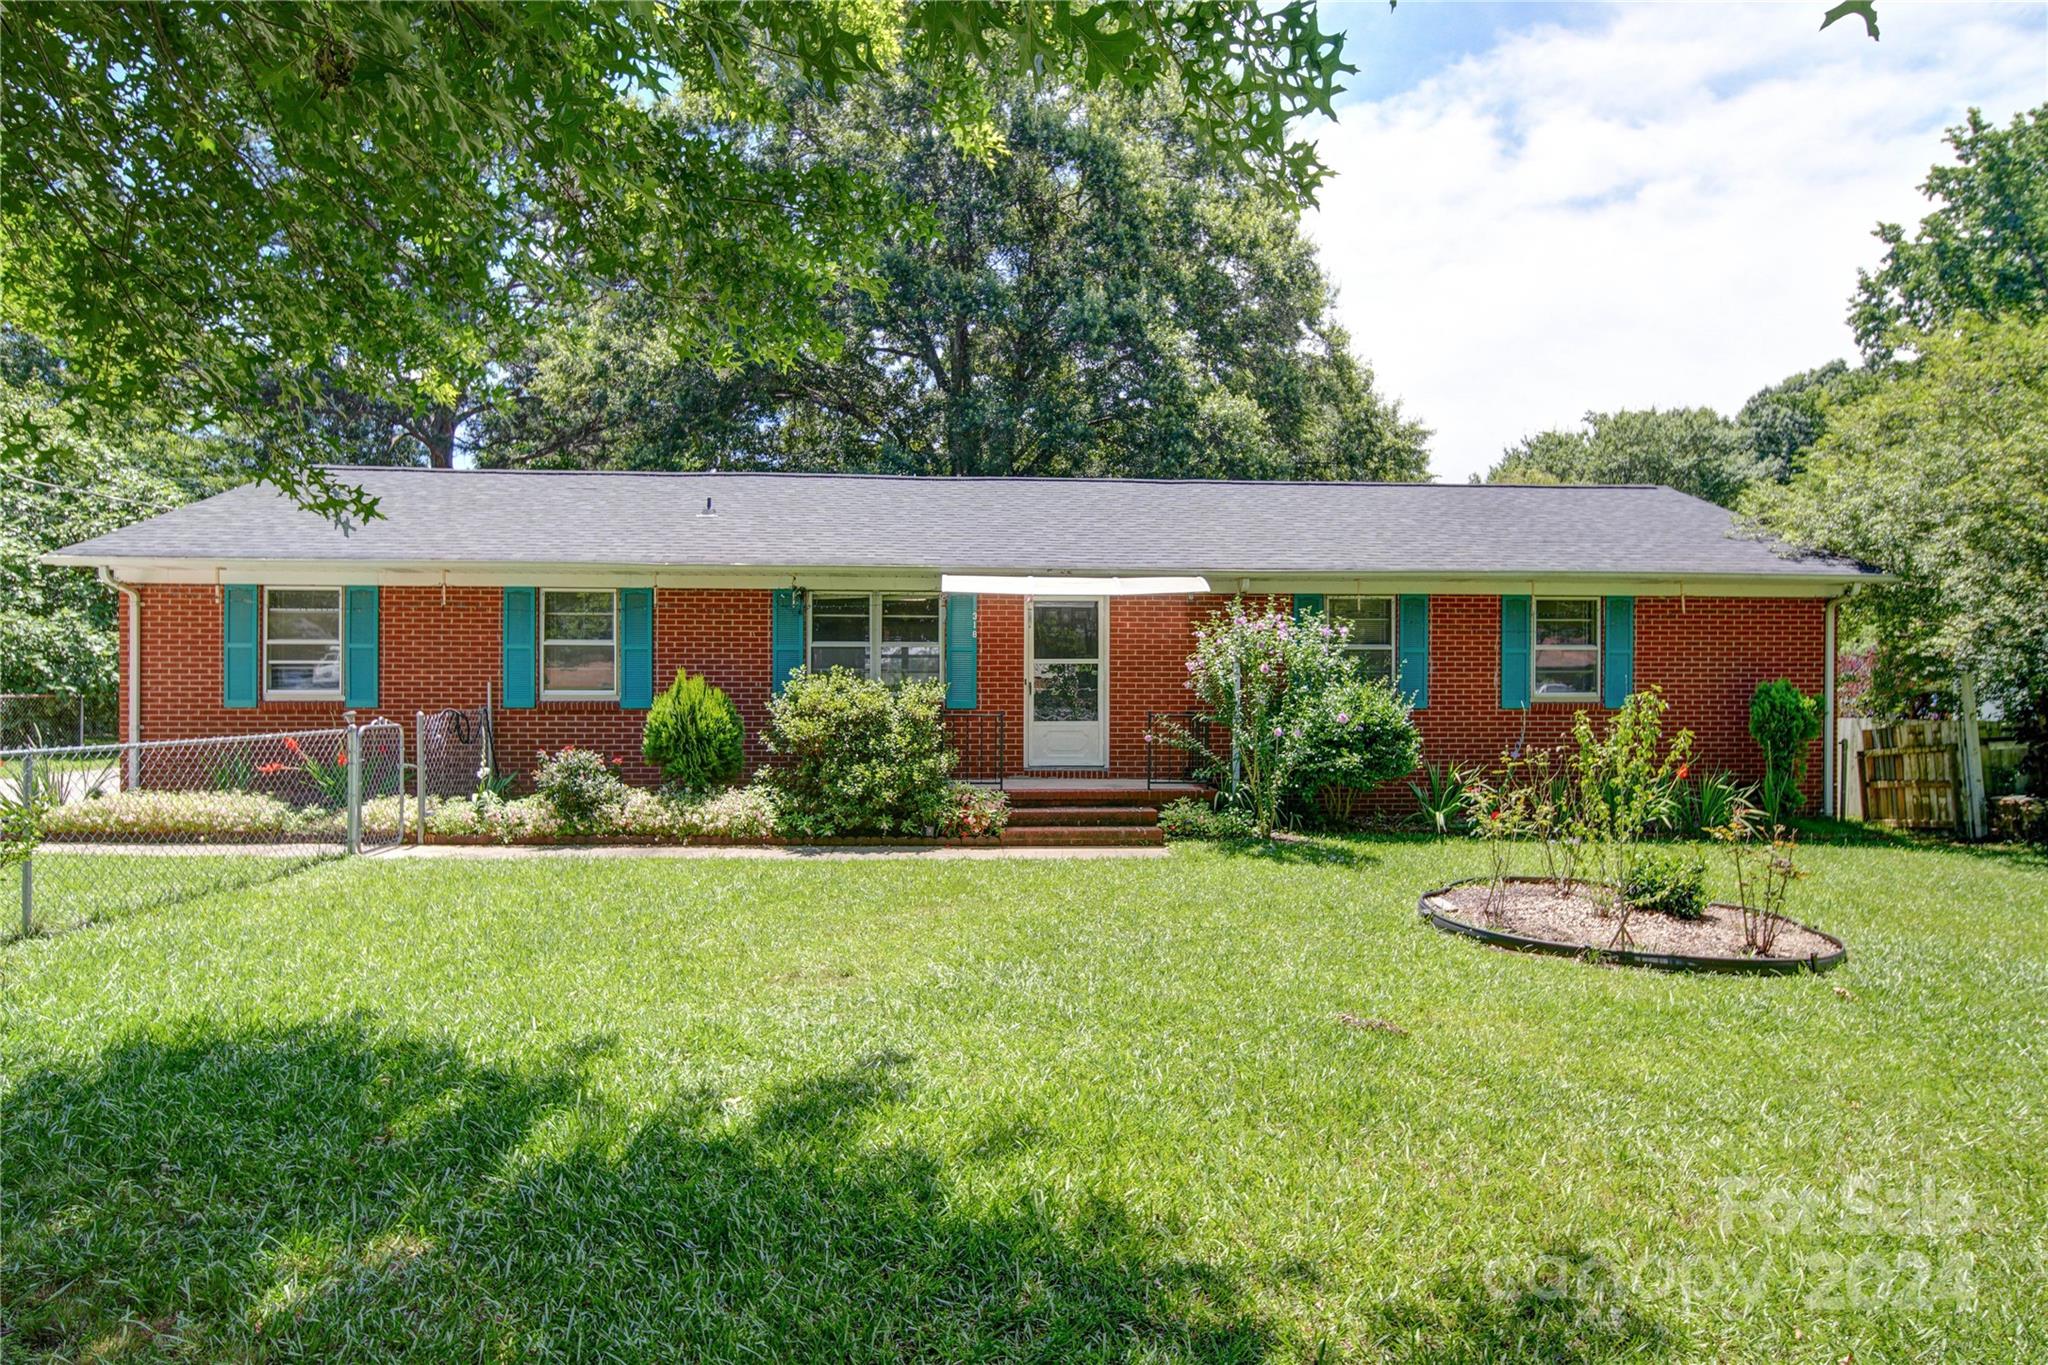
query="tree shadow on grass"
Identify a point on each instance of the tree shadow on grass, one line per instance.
(331, 1191)
(1563, 1305)
(76, 888)
(1301, 850)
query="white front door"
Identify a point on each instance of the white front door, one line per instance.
(1067, 673)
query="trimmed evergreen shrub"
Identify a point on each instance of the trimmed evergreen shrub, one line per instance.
(694, 735)
(1783, 721)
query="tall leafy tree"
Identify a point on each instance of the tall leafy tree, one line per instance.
(1111, 296)
(1785, 420)
(1695, 450)
(57, 625)
(1983, 250)
(1940, 476)
(206, 204)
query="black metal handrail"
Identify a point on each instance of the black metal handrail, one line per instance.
(980, 744)
(1188, 766)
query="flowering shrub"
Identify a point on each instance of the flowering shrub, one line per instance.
(740, 813)
(977, 811)
(191, 814)
(581, 787)
(1667, 883)
(1299, 716)
(860, 757)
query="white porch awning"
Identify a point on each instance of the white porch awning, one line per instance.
(1055, 585)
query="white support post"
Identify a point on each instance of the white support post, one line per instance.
(1970, 753)
(1830, 767)
(352, 753)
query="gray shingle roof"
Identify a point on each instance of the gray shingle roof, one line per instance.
(1102, 526)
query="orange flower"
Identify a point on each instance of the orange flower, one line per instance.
(273, 769)
(1683, 769)
(292, 745)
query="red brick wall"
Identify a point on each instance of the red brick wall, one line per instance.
(1706, 653)
(434, 654)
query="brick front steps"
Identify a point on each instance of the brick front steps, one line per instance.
(1084, 815)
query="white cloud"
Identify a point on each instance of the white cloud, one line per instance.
(1665, 207)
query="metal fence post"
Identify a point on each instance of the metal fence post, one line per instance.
(419, 769)
(27, 796)
(352, 740)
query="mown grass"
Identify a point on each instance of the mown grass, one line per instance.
(1049, 1110)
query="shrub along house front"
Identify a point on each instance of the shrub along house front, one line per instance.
(1058, 614)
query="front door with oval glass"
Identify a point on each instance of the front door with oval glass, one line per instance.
(1068, 676)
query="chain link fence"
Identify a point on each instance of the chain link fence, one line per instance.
(456, 757)
(108, 829)
(31, 719)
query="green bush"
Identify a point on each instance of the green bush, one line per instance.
(1360, 734)
(581, 788)
(858, 757)
(694, 735)
(1669, 883)
(1783, 721)
(1188, 818)
(978, 812)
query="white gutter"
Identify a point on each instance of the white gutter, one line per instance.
(134, 735)
(1056, 585)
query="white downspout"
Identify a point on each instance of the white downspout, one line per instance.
(134, 674)
(1829, 778)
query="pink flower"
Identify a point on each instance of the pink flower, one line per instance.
(1343, 717)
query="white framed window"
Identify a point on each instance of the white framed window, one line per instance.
(1371, 641)
(579, 644)
(1564, 658)
(302, 643)
(891, 636)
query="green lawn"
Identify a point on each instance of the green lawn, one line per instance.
(751, 1110)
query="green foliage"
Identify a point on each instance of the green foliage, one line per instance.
(62, 484)
(207, 203)
(978, 812)
(856, 756)
(736, 813)
(581, 788)
(1983, 250)
(1361, 733)
(1187, 818)
(1940, 476)
(1109, 297)
(1783, 721)
(1695, 450)
(1440, 797)
(694, 736)
(1669, 883)
(1698, 808)
(1620, 783)
(1290, 698)
(1786, 420)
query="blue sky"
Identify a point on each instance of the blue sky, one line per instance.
(1542, 209)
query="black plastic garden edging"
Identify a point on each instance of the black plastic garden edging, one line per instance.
(1630, 957)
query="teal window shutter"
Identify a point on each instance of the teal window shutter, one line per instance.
(636, 648)
(1413, 651)
(1305, 602)
(239, 644)
(1514, 653)
(516, 687)
(360, 651)
(786, 637)
(1618, 652)
(962, 657)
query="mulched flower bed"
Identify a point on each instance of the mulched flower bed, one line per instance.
(1533, 917)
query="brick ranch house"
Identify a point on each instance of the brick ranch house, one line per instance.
(1058, 613)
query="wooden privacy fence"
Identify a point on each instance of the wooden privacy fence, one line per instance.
(1909, 776)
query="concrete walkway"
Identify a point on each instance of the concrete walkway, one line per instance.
(837, 853)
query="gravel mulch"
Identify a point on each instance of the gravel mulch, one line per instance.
(1533, 909)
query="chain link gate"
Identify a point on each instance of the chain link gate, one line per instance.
(101, 830)
(455, 755)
